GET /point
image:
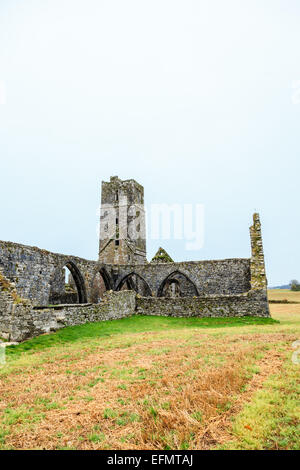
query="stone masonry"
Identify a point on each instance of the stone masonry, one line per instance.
(31, 278)
(21, 320)
(122, 217)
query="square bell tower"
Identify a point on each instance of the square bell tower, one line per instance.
(122, 222)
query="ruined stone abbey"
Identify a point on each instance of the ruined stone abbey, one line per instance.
(36, 295)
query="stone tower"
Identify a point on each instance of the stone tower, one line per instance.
(122, 223)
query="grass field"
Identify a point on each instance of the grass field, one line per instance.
(156, 383)
(284, 294)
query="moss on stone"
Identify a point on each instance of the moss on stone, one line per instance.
(7, 286)
(162, 257)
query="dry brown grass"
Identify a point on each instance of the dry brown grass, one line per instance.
(172, 389)
(162, 393)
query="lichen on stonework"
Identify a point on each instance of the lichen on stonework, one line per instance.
(6, 286)
(162, 257)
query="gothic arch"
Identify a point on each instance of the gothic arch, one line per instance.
(57, 292)
(101, 282)
(79, 281)
(133, 284)
(180, 278)
(106, 278)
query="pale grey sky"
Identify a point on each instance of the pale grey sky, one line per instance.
(193, 99)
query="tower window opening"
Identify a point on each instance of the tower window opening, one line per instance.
(117, 242)
(117, 196)
(117, 221)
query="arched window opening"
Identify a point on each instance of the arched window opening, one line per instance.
(177, 284)
(101, 283)
(173, 289)
(135, 282)
(71, 293)
(67, 286)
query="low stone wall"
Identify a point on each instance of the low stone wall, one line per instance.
(20, 319)
(19, 322)
(253, 303)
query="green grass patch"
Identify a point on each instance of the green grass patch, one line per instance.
(272, 419)
(22, 416)
(134, 324)
(109, 413)
(96, 437)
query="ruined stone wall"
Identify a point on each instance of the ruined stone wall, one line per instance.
(11, 306)
(257, 265)
(38, 274)
(19, 322)
(253, 303)
(22, 321)
(183, 286)
(222, 277)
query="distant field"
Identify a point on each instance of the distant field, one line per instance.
(156, 383)
(284, 294)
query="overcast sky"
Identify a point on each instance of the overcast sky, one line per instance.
(199, 101)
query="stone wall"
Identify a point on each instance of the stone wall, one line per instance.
(38, 274)
(252, 303)
(19, 322)
(223, 277)
(12, 306)
(257, 264)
